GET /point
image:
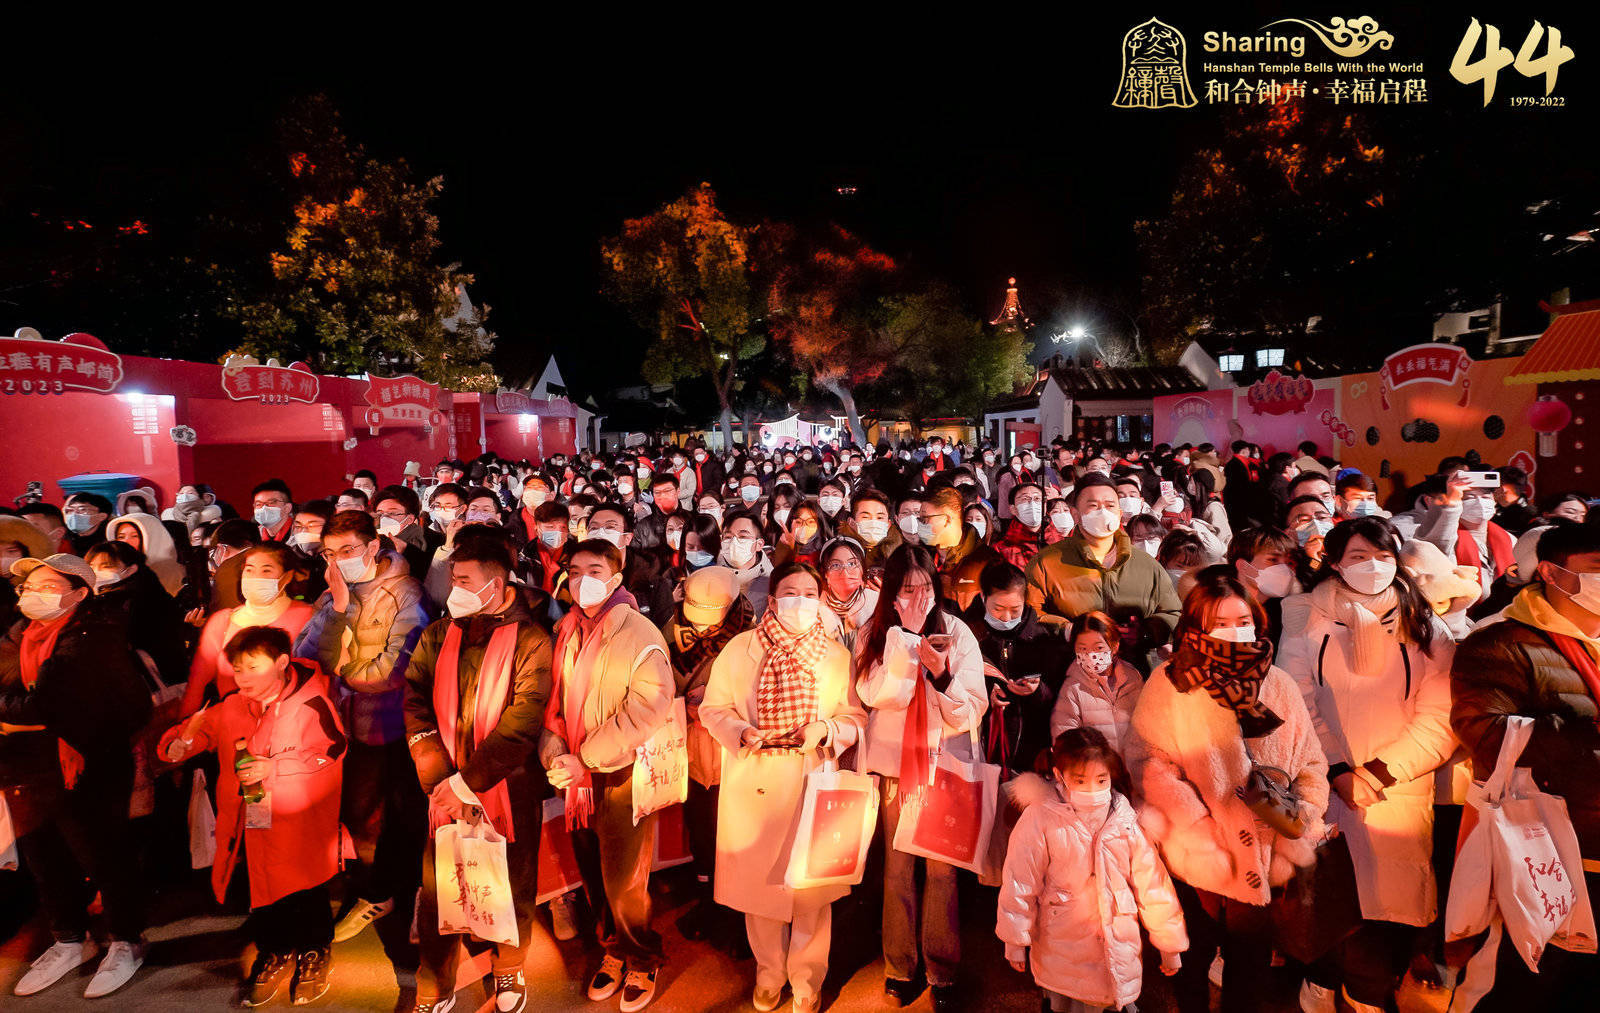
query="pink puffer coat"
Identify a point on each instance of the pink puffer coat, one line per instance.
(1075, 896)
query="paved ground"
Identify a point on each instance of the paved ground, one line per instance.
(197, 958)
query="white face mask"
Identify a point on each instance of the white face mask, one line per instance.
(910, 523)
(750, 493)
(1370, 576)
(1276, 580)
(830, 504)
(797, 614)
(1476, 510)
(981, 526)
(185, 498)
(1236, 634)
(1094, 662)
(780, 517)
(1587, 597)
(533, 499)
(305, 541)
(714, 512)
(39, 606)
(1090, 799)
(624, 487)
(353, 570)
(1062, 521)
(925, 533)
(1100, 523)
(873, 530)
(444, 515)
(106, 578)
(259, 591)
(591, 591)
(551, 539)
(482, 517)
(462, 603)
(1002, 624)
(675, 538)
(1132, 506)
(697, 558)
(740, 551)
(390, 526)
(1150, 545)
(611, 535)
(1030, 513)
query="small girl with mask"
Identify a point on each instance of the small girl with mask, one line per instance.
(1101, 689)
(1079, 878)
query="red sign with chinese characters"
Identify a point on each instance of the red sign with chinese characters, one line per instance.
(1192, 408)
(1430, 363)
(512, 402)
(31, 365)
(402, 401)
(247, 380)
(1277, 394)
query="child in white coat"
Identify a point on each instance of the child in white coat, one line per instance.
(1079, 877)
(1100, 689)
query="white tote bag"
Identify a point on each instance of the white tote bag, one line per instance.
(473, 883)
(8, 836)
(951, 820)
(661, 765)
(202, 824)
(837, 818)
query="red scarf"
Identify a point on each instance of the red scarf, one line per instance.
(1500, 550)
(38, 643)
(916, 765)
(1579, 658)
(494, 686)
(550, 563)
(529, 526)
(577, 630)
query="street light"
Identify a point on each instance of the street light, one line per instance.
(1077, 333)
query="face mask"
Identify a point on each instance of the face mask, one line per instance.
(611, 535)
(1587, 597)
(924, 532)
(482, 517)
(1100, 523)
(797, 614)
(1315, 529)
(1235, 634)
(1016, 469)
(855, 469)
(624, 487)
(788, 462)
(40, 607)
(79, 524)
(780, 517)
(740, 551)
(462, 603)
(981, 526)
(591, 591)
(642, 472)
(551, 539)
(1363, 508)
(1275, 581)
(714, 512)
(185, 498)
(106, 578)
(1132, 506)
(269, 516)
(699, 455)
(258, 590)
(1150, 545)
(1003, 625)
(675, 538)
(697, 558)
(353, 570)
(678, 463)
(910, 524)
(1030, 514)
(577, 488)
(369, 490)
(1094, 662)
(830, 504)
(444, 515)
(1061, 520)
(874, 531)
(1370, 576)
(305, 541)
(750, 493)
(1476, 510)
(1090, 799)
(390, 525)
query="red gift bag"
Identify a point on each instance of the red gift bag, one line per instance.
(950, 820)
(558, 863)
(837, 818)
(672, 839)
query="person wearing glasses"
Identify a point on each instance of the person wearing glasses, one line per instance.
(845, 590)
(365, 627)
(264, 574)
(70, 698)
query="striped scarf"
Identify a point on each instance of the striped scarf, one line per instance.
(786, 690)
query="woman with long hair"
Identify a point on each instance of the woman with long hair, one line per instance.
(1208, 719)
(1373, 664)
(807, 532)
(920, 674)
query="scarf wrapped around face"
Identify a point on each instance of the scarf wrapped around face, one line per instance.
(692, 649)
(1230, 673)
(786, 690)
(1372, 619)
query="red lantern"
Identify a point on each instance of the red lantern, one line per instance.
(1548, 416)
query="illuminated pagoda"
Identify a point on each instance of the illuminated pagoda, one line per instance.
(1011, 314)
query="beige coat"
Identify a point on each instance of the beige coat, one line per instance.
(758, 810)
(629, 696)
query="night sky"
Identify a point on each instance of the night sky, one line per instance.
(986, 151)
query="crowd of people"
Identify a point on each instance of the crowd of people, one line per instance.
(1136, 638)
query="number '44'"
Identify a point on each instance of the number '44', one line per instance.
(1496, 57)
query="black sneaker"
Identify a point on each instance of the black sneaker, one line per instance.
(268, 975)
(510, 992)
(311, 976)
(944, 999)
(899, 992)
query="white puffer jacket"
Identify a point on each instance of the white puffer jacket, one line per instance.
(1084, 703)
(1075, 897)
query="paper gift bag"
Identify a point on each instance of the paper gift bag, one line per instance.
(837, 818)
(950, 820)
(474, 885)
(661, 766)
(672, 840)
(558, 862)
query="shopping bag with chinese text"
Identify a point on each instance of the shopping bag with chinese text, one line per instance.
(474, 886)
(950, 820)
(661, 766)
(837, 818)
(202, 824)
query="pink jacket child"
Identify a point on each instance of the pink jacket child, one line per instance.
(300, 734)
(1072, 897)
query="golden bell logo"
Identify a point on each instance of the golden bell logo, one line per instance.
(1154, 75)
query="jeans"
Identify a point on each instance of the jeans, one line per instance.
(295, 923)
(700, 813)
(83, 844)
(903, 902)
(1244, 934)
(615, 858)
(386, 813)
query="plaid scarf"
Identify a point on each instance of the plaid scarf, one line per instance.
(1230, 673)
(786, 690)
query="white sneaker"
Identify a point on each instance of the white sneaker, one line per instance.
(53, 965)
(121, 961)
(564, 916)
(607, 980)
(359, 917)
(638, 988)
(1316, 999)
